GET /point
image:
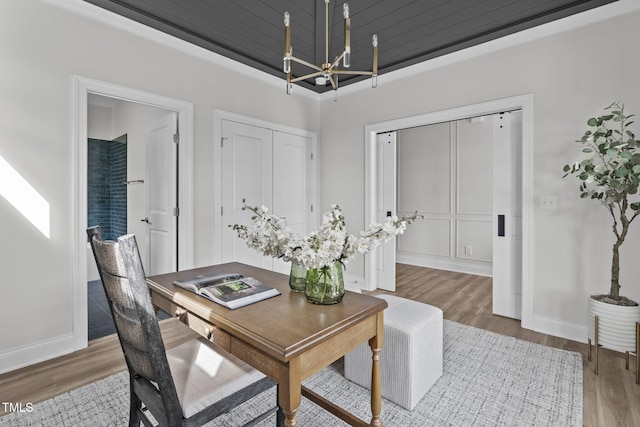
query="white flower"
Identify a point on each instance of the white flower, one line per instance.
(271, 236)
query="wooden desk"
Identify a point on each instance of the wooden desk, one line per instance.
(285, 337)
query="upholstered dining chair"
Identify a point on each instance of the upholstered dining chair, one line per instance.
(187, 385)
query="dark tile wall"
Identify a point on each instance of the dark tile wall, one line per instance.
(107, 192)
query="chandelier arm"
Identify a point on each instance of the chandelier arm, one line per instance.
(334, 81)
(375, 55)
(359, 73)
(308, 76)
(336, 62)
(303, 62)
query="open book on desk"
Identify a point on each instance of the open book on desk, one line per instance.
(229, 290)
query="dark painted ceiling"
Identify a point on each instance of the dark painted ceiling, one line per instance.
(409, 31)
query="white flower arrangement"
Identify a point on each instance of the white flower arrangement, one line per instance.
(270, 235)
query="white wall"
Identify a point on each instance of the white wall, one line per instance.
(36, 139)
(99, 122)
(572, 75)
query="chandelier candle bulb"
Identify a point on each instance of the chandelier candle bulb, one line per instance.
(346, 59)
(374, 73)
(287, 46)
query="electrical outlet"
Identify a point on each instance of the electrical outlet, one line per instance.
(548, 202)
(468, 250)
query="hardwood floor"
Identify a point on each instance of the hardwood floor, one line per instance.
(610, 399)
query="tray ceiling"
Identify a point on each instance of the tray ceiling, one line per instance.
(409, 31)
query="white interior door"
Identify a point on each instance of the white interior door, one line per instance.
(161, 183)
(246, 174)
(386, 204)
(507, 209)
(291, 160)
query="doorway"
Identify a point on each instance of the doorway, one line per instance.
(462, 176)
(83, 88)
(132, 177)
(373, 192)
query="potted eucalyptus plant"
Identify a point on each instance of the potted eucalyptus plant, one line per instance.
(610, 175)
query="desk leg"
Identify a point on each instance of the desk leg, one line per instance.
(289, 393)
(376, 344)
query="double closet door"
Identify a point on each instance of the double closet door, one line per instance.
(266, 167)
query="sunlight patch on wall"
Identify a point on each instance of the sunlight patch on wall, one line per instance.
(24, 197)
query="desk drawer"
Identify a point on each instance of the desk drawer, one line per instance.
(207, 330)
(201, 326)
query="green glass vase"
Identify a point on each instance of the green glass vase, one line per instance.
(297, 277)
(325, 285)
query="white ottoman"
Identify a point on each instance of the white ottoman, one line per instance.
(411, 358)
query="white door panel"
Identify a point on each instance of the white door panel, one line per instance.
(386, 204)
(291, 157)
(161, 183)
(507, 208)
(246, 174)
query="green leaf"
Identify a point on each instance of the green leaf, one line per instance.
(566, 168)
(587, 150)
(622, 172)
(592, 122)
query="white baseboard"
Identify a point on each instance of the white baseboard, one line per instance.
(559, 328)
(34, 353)
(460, 267)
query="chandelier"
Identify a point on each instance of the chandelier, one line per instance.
(328, 72)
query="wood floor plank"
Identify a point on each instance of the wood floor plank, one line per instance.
(609, 399)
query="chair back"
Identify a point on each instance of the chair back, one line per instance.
(135, 319)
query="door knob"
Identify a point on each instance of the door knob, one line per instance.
(145, 219)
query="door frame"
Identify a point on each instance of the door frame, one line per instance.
(82, 87)
(218, 117)
(521, 102)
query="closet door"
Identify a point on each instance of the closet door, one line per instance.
(265, 167)
(246, 174)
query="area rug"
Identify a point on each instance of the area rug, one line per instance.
(489, 380)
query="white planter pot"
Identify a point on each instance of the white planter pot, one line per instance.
(616, 325)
